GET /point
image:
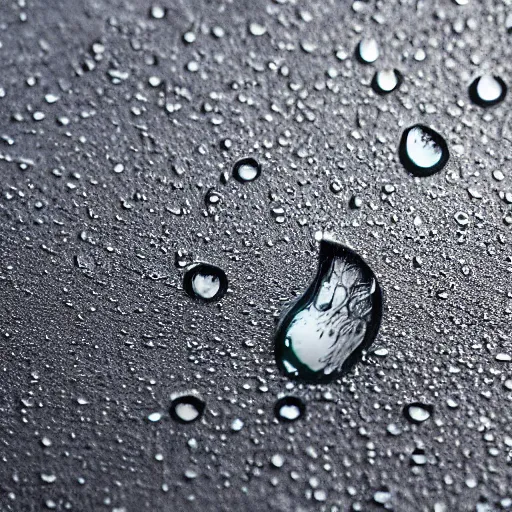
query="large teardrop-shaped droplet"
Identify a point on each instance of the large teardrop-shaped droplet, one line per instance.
(324, 332)
(423, 151)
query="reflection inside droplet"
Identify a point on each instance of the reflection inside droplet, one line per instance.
(186, 412)
(417, 412)
(187, 408)
(488, 88)
(205, 286)
(423, 151)
(289, 408)
(386, 80)
(368, 50)
(246, 170)
(327, 328)
(206, 282)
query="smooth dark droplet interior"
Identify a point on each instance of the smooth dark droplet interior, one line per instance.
(246, 170)
(324, 332)
(205, 282)
(289, 408)
(487, 90)
(423, 151)
(187, 408)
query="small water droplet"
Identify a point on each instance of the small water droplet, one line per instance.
(487, 90)
(277, 460)
(246, 170)
(212, 198)
(367, 50)
(206, 282)
(289, 408)
(157, 12)
(256, 29)
(237, 425)
(155, 416)
(423, 151)
(386, 81)
(418, 412)
(187, 408)
(324, 332)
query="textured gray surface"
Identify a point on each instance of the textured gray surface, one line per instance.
(96, 332)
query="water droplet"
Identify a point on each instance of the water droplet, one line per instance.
(386, 81)
(418, 412)
(277, 460)
(323, 333)
(368, 50)
(187, 408)
(256, 29)
(289, 408)
(205, 281)
(237, 425)
(247, 169)
(423, 151)
(157, 12)
(155, 416)
(212, 198)
(487, 90)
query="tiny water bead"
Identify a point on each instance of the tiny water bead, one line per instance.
(367, 51)
(417, 412)
(289, 408)
(325, 331)
(212, 198)
(206, 282)
(187, 408)
(386, 81)
(423, 151)
(487, 90)
(246, 170)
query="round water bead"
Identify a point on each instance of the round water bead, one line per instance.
(487, 90)
(246, 170)
(187, 408)
(423, 151)
(206, 282)
(289, 408)
(417, 412)
(386, 81)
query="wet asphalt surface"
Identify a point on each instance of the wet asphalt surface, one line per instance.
(117, 120)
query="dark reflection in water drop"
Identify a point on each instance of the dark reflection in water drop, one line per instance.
(386, 81)
(246, 170)
(289, 408)
(187, 408)
(487, 90)
(325, 331)
(423, 151)
(206, 282)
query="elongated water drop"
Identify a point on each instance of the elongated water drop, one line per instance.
(325, 331)
(367, 51)
(423, 151)
(487, 90)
